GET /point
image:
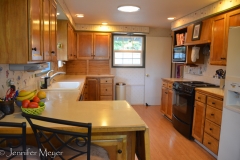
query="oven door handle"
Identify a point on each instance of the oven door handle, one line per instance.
(182, 93)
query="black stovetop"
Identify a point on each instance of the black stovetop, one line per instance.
(189, 86)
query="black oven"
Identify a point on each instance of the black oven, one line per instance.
(183, 106)
(183, 112)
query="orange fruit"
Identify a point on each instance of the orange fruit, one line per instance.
(41, 94)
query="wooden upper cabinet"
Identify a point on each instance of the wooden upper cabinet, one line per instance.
(66, 40)
(53, 30)
(205, 36)
(101, 45)
(84, 45)
(24, 34)
(36, 23)
(218, 53)
(93, 45)
(46, 30)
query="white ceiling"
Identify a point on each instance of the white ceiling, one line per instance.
(153, 13)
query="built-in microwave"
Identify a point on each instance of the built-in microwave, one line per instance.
(179, 54)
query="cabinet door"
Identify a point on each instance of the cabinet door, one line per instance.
(233, 19)
(169, 104)
(70, 42)
(84, 45)
(198, 121)
(46, 30)
(53, 30)
(101, 45)
(92, 89)
(36, 29)
(164, 101)
(218, 54)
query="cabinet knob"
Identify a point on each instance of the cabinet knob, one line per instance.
(165, 92)
(199, 97)
(209, 142)
(106, 81)
(119, 151)
(212, 114)
(34, 49)
(213, 102)
(106, 89)
(53, 52)
(210, 129)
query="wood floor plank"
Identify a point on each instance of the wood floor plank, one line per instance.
(166, 143)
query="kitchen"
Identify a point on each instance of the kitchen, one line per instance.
(133, 77)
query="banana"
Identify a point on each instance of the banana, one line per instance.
(24, 93)
(29, 96)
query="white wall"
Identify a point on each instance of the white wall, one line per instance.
(134, 77)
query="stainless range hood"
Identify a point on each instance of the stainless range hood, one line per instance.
(30, 67)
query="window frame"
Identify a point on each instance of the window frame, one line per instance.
(143, 51)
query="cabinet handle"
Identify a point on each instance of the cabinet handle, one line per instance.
(210, 129)
(212, 114)
(106, 89)
(223, 58)
(213, 102)
(199, 97)
(119, 151)
(106, 81)
(34, 49)
(165, 92)
(53, 52)
(209, 142)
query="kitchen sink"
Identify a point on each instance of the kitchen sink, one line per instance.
(64, 86)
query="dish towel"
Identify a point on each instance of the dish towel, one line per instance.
(195, 54)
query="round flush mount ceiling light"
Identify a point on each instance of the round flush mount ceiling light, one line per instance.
(170, 18)
(104, 23)
(128, 8)
(79, 15)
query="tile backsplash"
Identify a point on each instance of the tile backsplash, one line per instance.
(203, 72)
(21, 79)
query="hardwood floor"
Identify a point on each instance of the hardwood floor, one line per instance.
(166, 143)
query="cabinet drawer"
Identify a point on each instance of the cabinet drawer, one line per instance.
(215, 103)
(170, 85)
(214, 115)
(164, 84)
(106, 98)
(200, 97)
(106, 80)
(212, 129)
(105, 89)
(211, 143)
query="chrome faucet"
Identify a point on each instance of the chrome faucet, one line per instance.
(55, 74)
(48, 73)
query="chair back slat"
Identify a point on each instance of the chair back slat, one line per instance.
(56, 140)
(8, 142)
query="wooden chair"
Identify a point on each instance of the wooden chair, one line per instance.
(64, 144)
(13, 144)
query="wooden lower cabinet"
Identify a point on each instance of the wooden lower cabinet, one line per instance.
(167, 99)
(98, 89)
(115, 145)
(207, 119)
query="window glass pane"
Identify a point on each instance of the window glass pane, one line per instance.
(136, 55)
(119, 55)
(127, 55)
(118, 61)
(136, 61)
(127, 61)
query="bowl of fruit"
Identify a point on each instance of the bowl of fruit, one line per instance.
(31, 102)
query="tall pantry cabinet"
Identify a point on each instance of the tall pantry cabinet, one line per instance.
(25, 32)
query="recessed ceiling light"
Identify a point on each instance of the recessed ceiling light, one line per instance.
(128, 8)
(79, 15)
(170, 18)
(58, 13)
(104, 23)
